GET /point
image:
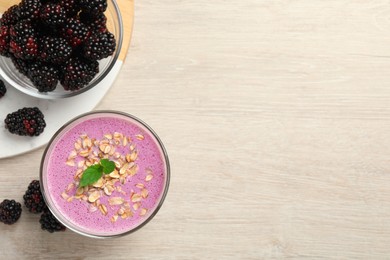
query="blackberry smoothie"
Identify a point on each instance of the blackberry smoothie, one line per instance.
(118, 202)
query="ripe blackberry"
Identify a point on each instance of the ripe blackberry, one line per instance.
(71, 7)
(21, 65)
(11, 16)
(29, 9)
(54, 50)
(10, 211)
(50, 223)
(78, 73)
(99, 46)
(75, 32)
(33, 199)
(52, 14)
(3, 89)
(93, 6)
(4, 40)
(95, 22)
(26, 121)
(23, 41)
(44, 76)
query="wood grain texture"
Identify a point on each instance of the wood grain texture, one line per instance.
(276, 118)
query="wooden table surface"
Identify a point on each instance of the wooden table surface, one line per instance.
(276, 118)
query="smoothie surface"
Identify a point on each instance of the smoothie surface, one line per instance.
(137, 192)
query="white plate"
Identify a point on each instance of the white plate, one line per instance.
(57, 113)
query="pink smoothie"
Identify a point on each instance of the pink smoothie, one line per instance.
(151, 175)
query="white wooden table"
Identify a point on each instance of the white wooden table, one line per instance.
(276, 118)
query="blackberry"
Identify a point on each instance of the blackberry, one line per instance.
(93, 6)
(54, 50)
(10, 211)
(50, 223)
(11, 16)
(21, 65)
(44, 76)
(29, 9)
(78, 73)
(99, 46)
(71, 7)
(27, 121)
(52, 14)
(75, 32)
(95, 22)
(3, 89)
(23, 41)
(33, 199)
(4, 40)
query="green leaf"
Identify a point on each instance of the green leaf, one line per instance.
(91, 175)
(108, 166)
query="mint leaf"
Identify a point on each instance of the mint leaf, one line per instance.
(108, 166)
(91, 175)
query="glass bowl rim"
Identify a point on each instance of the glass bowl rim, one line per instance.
(159, 143)
(68, 94)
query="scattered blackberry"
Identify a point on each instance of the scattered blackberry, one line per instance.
(29, 9)
(50, 223)
(99, 46)
(26, 121)
(33, 199)
(23, 41)
(55, 50)
(52, 14)
(71, 7)
(4, 40)
(44, 76)
(95, 22)
(11, 16)
(10, 211)
(93, 6)
(3, 89)
(21, 65)
(78, 73)
(75, 32)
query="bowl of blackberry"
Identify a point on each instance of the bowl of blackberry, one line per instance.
(54, 49)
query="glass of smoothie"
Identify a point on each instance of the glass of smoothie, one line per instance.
(116, 201)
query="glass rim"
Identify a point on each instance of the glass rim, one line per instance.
(54, 96)
(165, 158)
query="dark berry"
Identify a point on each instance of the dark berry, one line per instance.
(33, 199)
(78, 73)
(54, 50)
(75, 32)
(50, 223)
(99, 46)
(3, 89)
(11, 16)
(93, 6)
(95, 22)
(21, 65)
(71, 7)
(52, 14)
(4, 40)
(44, 76)
(23, 41)
(27, 121)
(29, 9)
(10, 211)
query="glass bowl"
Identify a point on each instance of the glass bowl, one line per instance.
(19, 81)
(56, 174)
